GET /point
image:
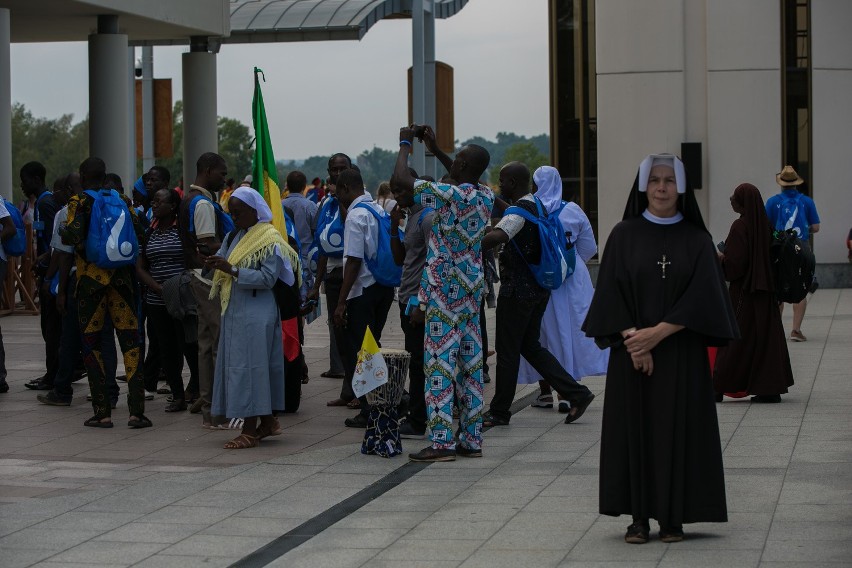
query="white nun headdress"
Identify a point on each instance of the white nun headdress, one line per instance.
(549, 184)
(254, 200)
(669, 160)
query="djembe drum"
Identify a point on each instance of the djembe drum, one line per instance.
(382, 435)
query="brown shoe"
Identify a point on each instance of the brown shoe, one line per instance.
(797, 335)
(430, 454)
(337, 402)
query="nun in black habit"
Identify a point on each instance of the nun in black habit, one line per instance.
(660, 301)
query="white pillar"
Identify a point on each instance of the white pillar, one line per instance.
(148, 159)
(6, 173)
(131, 123)
(108, 120)
(418, 78)
(200, 131)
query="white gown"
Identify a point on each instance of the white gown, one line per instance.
(567, 308)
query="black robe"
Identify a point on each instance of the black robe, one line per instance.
(661, 457)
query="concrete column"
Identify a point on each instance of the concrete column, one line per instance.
(108, 111)
(6, 173)
(131, 123)
(200, 131)
(429, 81)
(418, 78)
(148, 159)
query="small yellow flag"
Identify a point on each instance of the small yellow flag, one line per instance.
(371, 371)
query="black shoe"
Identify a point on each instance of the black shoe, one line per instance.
(578, 408)
(674, 534)
(331, 375)
(719, 397)
(767, 398)
(79, 374)
(176, 406)
(141, 422)
(430, 454)
(489, 420)
(411, 433)
(4, 387)
(39, 384)
(113, 402)
(463, 452)
(638, 532)
(486, 378)
(357, 421)
(53, 399)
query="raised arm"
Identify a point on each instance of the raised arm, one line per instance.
(431, 142)
(402, 181)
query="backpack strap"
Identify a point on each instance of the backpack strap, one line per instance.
(423, 213)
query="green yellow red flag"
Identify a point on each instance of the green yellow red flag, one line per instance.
(265, 173)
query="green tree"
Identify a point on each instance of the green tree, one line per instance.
(525, 152)
(59, 144)
(236, 145)
(376, 166)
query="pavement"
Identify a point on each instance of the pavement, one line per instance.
(171, 496)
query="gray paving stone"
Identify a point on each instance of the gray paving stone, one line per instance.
(172, 561)
(332, 558)
(426, 550)
(728, 558)
(443, 530)
(99, 552)
(38, 539)
(20, 558)
(249, 526)
(794, 550)
(369, 520)
(214, 545)
(161, 532)
(509, 559)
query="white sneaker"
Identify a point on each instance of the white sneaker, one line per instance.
(543, 401)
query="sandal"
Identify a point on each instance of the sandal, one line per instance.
(337, 402)
(543, 401)
(140, 422)
(671, 534)
(241, 442)
(95, 422)
(266, 431)
(354, 404)
(489, 420)
(637, 533)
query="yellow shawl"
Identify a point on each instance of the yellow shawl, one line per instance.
(257, 244)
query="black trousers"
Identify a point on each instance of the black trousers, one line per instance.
(518, 331)
(414, 338)
(483, 325)
(167, 334)
(51, 332)
(369, 309)
(333, 281)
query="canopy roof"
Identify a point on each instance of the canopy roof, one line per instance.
(310, 20)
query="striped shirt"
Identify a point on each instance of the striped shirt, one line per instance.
(164, 253)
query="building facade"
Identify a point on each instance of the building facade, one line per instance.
(749, 85)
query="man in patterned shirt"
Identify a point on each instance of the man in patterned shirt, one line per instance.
(450, 292)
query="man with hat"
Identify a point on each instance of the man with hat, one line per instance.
(791, 209)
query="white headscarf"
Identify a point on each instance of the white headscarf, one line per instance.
(669, 160)
(549, 184)
(254, 200)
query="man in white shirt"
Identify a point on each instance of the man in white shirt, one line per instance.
(363, 301)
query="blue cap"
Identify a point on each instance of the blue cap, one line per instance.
(140, 186)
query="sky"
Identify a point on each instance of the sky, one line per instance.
(341, 96)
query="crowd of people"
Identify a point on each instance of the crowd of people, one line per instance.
(217, 288)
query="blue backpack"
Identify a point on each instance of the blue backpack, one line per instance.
(111, 242)
(224, 225)
(558, 257)
(291, 231)
(383, 267)
(17, 245)
(328, 236)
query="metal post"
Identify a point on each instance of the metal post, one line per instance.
(418, 79)
(5, 106)
(200, 130)
(148, 159)
(108, 118)
(431, 164)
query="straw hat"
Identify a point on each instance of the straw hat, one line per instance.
(788, 177)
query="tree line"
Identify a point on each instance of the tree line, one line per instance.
(61, 144)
